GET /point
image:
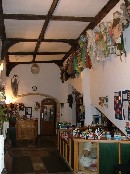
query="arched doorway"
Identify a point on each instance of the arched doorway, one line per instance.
(48, 117)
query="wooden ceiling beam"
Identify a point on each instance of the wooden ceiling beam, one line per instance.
(43, 17)
(43, 40)
(71, 42)
(41, 36)
(68, 53)
(11, 65)
(46, 61)
(2, 26)
(38, 53)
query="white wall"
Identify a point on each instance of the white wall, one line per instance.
(47, 81)
(1, 153)
(76, 83)
(106, 79)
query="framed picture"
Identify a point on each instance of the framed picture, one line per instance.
(28, 111)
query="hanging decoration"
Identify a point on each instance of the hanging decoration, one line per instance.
(103, 101)
(99, 44)
(35, 69)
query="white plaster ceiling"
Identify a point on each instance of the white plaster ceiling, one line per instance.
(23, 58)
(54, 46)
(26, 6)
(80, 8)
(56, 29)
(65, 29)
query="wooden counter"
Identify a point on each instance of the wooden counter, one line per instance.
(64, 144)
(109, 152)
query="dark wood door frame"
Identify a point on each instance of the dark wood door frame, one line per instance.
(48, 127)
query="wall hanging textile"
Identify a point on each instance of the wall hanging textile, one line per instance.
(99, 44)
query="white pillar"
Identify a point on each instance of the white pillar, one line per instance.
(5, 127)
(86, 96)
(1, 153)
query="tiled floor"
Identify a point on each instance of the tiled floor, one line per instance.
(35, 155)
(35, 152)
(43, 147)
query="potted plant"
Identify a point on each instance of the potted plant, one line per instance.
(3, 117)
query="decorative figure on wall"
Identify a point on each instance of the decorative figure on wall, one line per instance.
(70, 100)
(21, 107)
(103, 101)
(61, 105)
(124, 16)
(34, 88)
(14, 85)
(2, 94)
(37, 106)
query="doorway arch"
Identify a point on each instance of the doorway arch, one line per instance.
(43, 97)
(48, 117)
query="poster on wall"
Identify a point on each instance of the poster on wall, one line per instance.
(125, 105)
(118, 105)
(128, 105)
(122, 105)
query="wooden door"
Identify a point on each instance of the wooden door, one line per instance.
(48, 117)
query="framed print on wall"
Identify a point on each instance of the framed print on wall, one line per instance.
(28, 111)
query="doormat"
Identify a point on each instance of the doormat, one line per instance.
(22, 164)
(55, 163)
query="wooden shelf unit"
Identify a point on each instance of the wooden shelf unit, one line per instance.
(109, 152)
(26, 129)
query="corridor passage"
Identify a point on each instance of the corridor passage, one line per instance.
(41, 157)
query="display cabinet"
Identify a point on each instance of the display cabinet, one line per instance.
(26, 129)
(92, 156)
(108, 153)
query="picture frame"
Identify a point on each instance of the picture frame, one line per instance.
(28, 111)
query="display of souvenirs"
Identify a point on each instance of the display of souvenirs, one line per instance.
(64, 124)
(89, 157)
(64, 135)
(76, 132)
(98, 44)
